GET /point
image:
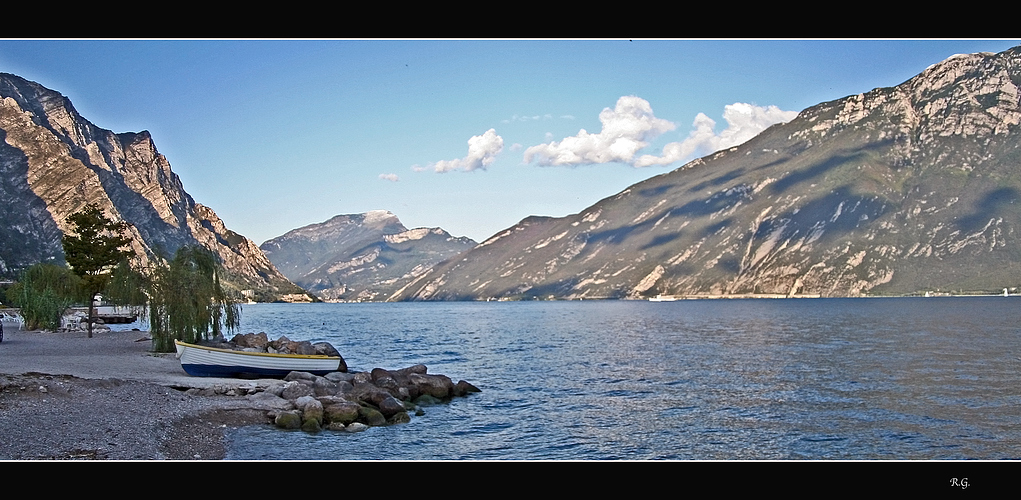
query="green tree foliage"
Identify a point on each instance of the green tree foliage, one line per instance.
(187, 302)
(128, 287)
(93, 247)
(44, 292)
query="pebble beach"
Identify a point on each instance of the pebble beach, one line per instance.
(64, 396)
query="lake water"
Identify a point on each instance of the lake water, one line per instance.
(757, 379)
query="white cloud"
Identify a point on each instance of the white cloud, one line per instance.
(389, 177)
(626, 129)
(482, 151)
(744, 121)
(518, 118)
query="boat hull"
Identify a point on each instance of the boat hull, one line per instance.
(201, 361)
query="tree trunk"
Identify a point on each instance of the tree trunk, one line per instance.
(92, 310)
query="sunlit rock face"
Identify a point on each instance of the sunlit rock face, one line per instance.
(360, 257)
(53, 162)
(898, 190)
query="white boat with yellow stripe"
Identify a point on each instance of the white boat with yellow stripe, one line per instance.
(202, 361)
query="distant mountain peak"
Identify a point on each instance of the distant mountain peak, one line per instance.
(378, 216)
(360, 257)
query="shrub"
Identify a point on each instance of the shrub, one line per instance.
(44, 293)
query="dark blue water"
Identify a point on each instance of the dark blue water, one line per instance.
(806, 379)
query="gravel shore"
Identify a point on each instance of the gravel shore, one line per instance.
(64, 396)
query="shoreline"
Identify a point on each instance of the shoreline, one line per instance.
(64, 396)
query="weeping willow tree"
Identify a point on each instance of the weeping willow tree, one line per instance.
(44, 292)
(128, 287)
(187, 301)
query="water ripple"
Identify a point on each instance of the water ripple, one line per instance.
(915, 379)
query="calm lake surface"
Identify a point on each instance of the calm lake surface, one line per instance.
(757, 379)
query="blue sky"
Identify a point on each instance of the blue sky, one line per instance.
(277, 134)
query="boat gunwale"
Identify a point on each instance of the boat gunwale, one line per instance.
(248, 353)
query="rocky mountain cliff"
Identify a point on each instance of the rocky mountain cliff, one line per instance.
(53, 162)
(898, 190)
(361, 257)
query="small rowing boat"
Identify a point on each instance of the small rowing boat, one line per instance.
(202, 361)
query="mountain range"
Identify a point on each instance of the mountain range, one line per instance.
(53, 162)
(900, 190)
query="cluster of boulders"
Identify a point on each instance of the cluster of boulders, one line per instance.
(342, 400)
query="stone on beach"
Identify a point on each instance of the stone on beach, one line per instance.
(343, 400)
(338, 401)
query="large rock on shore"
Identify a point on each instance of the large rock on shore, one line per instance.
(352, 401)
